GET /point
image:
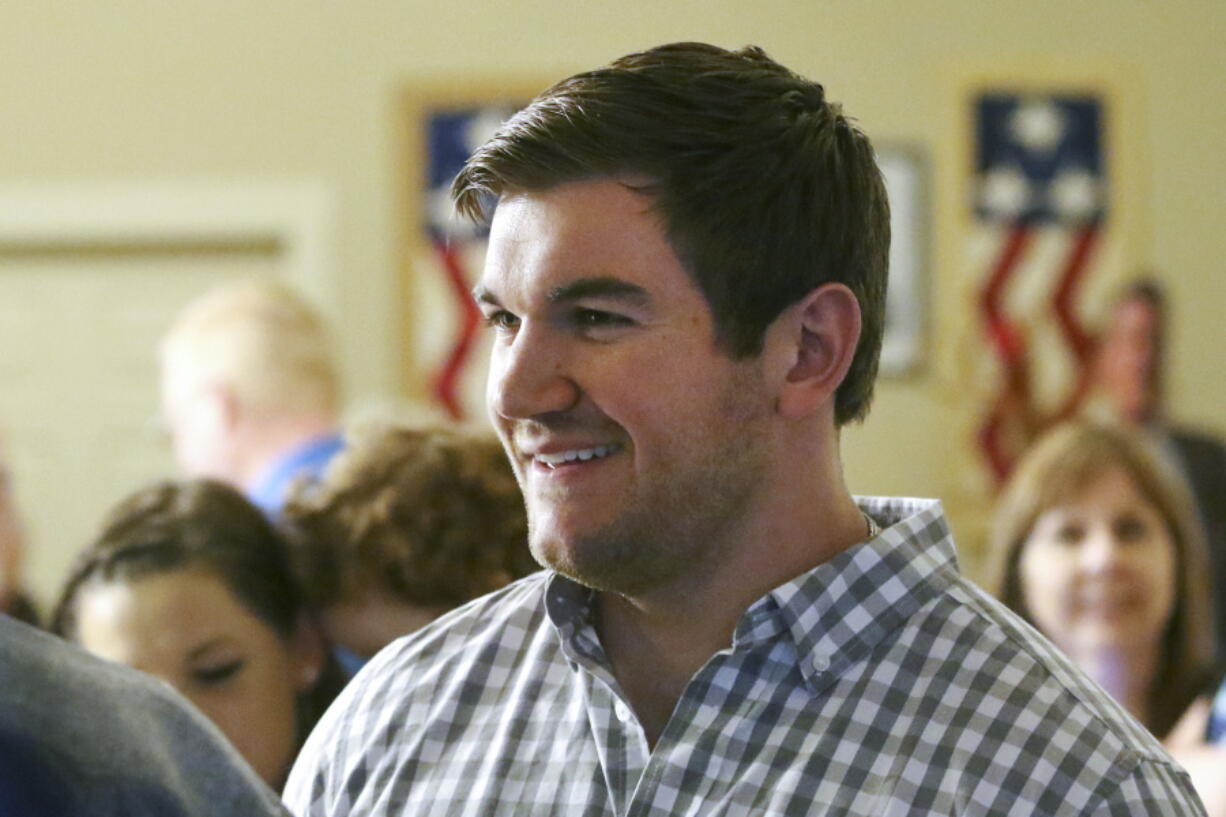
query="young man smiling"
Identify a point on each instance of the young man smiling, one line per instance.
(686, 282)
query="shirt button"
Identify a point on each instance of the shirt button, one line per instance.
(821, 663)
(621, 711)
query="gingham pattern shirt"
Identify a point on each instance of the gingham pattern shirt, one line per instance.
(879, 684)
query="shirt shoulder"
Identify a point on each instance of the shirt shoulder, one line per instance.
(416, 696)
(500, 621)
(1046, 666)
(1153, 790)
(1026, 704)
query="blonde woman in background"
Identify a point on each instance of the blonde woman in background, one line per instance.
(1096, 544)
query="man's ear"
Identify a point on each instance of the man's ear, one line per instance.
(309, 652)
(824, 328)
(222, 405)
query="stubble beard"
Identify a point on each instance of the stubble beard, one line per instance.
(674, 530)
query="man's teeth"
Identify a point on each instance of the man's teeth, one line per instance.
(578, 455)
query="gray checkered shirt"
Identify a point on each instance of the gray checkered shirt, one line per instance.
(878, 684)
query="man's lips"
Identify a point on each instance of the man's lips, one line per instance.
(556, 457)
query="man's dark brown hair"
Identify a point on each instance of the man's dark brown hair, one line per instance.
(765, 190)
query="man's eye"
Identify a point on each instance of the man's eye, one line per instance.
(501, 319)
(599, 319)
(218, 673)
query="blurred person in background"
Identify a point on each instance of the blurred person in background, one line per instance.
(189, 582)
(1095, 542)
(15, 601)
(250, 393)
(83, 736)
(406, 524)
(1129, 386)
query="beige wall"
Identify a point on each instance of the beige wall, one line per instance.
(284, 89)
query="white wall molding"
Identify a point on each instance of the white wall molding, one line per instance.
(298, 215)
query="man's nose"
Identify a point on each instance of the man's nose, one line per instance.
(531, 376)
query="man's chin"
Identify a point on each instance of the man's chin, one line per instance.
(558, 555)
(603, 566)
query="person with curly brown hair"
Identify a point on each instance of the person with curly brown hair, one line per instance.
(407, 524)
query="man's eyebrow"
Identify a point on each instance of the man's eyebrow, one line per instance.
(600, 287)
(483, 296)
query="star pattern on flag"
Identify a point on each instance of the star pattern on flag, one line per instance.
(1037, 124)
(1039, 159)
(1038, 170)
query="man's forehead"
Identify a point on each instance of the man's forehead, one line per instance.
(574, 203)
(598, 229)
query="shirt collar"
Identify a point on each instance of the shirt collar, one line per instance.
(568, 604)
(842, 609)
(835, 613)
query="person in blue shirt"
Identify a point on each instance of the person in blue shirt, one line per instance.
(250, 393)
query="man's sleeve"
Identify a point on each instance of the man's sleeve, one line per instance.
(306, 790)
(1154, 789)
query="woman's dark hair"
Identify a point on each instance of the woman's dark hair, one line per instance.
(201, 525)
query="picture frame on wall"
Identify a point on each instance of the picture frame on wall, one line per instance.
(442, 348)
(904, 344)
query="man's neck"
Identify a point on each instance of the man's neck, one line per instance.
(267, 445)
(658, 641)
